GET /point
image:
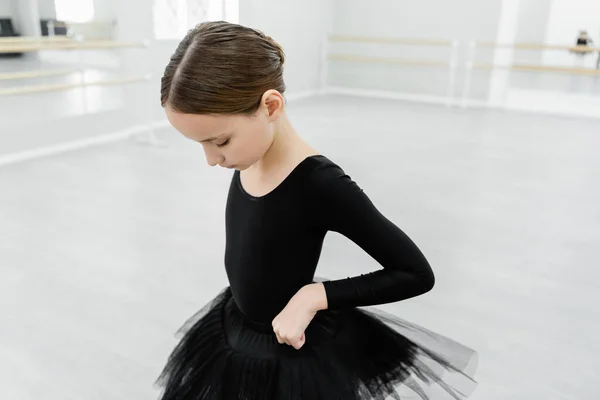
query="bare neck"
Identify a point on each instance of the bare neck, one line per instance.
(287, 150)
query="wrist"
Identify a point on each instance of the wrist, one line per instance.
(316, 296)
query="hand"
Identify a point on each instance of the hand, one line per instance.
(289, 325)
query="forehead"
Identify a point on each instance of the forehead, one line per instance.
(199, 127)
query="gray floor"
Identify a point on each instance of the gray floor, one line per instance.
(105, 252)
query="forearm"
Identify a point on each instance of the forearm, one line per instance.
(343, 207)
(380, 287)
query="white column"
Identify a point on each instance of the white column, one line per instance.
(507, 33)
(28, 17)
(14, 14)
(27, 21)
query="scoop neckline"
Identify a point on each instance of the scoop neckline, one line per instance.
(276, 188)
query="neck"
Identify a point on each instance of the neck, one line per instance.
(287, 147)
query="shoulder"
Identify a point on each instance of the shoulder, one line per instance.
(323, 170)
(327, 178)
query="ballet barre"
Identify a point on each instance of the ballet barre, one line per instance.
(539, 46)
(539, 68)
(450, 63)
(40, 73)
(66, 86)
(563, 70)
(471, 65)
(92, 23)
(29, 39)
(384, 40)
(99, 30)
(72, 45)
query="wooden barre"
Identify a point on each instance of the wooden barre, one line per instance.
(539, 46)
(433, 63)
(567, 70)
(40, 73)
(65, 86)
(29, 39)
(382, 60)
(383, 40)
(83, 45)
(91, 23)
(540, 68)
(434, 42)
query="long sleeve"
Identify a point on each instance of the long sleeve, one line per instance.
(343, 207)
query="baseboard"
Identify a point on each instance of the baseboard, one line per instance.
(381, 94)
(563, 105)
(80, 144)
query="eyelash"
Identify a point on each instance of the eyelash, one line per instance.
(223, 144)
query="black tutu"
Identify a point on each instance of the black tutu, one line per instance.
(350, 354)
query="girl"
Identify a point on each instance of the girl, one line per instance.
(274, 332)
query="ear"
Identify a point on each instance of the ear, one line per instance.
(273, 104)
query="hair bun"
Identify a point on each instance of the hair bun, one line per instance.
(277, 47)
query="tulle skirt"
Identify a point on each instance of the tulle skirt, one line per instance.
(350, 354)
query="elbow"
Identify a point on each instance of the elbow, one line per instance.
(427, 280)
(428, 283)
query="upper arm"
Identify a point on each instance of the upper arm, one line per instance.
(345, 208)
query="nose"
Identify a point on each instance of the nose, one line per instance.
(212, 158)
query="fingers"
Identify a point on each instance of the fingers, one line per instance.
(279, 339)
(295, 342)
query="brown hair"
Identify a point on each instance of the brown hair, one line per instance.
(222, 68)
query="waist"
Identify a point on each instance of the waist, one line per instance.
(231, 307)
(324, 326)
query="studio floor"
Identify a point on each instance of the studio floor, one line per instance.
(106, 251)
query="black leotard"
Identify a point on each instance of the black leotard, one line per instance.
(274, 243)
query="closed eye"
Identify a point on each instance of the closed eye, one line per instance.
(223, 144)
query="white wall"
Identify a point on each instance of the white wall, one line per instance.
(435, 19)
(531, 28)
(431, 19)
(105, 10)
(47, 9)
(300, 27)
(5, 8)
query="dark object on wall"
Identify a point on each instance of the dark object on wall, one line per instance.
(7, 30)
(60, 27)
